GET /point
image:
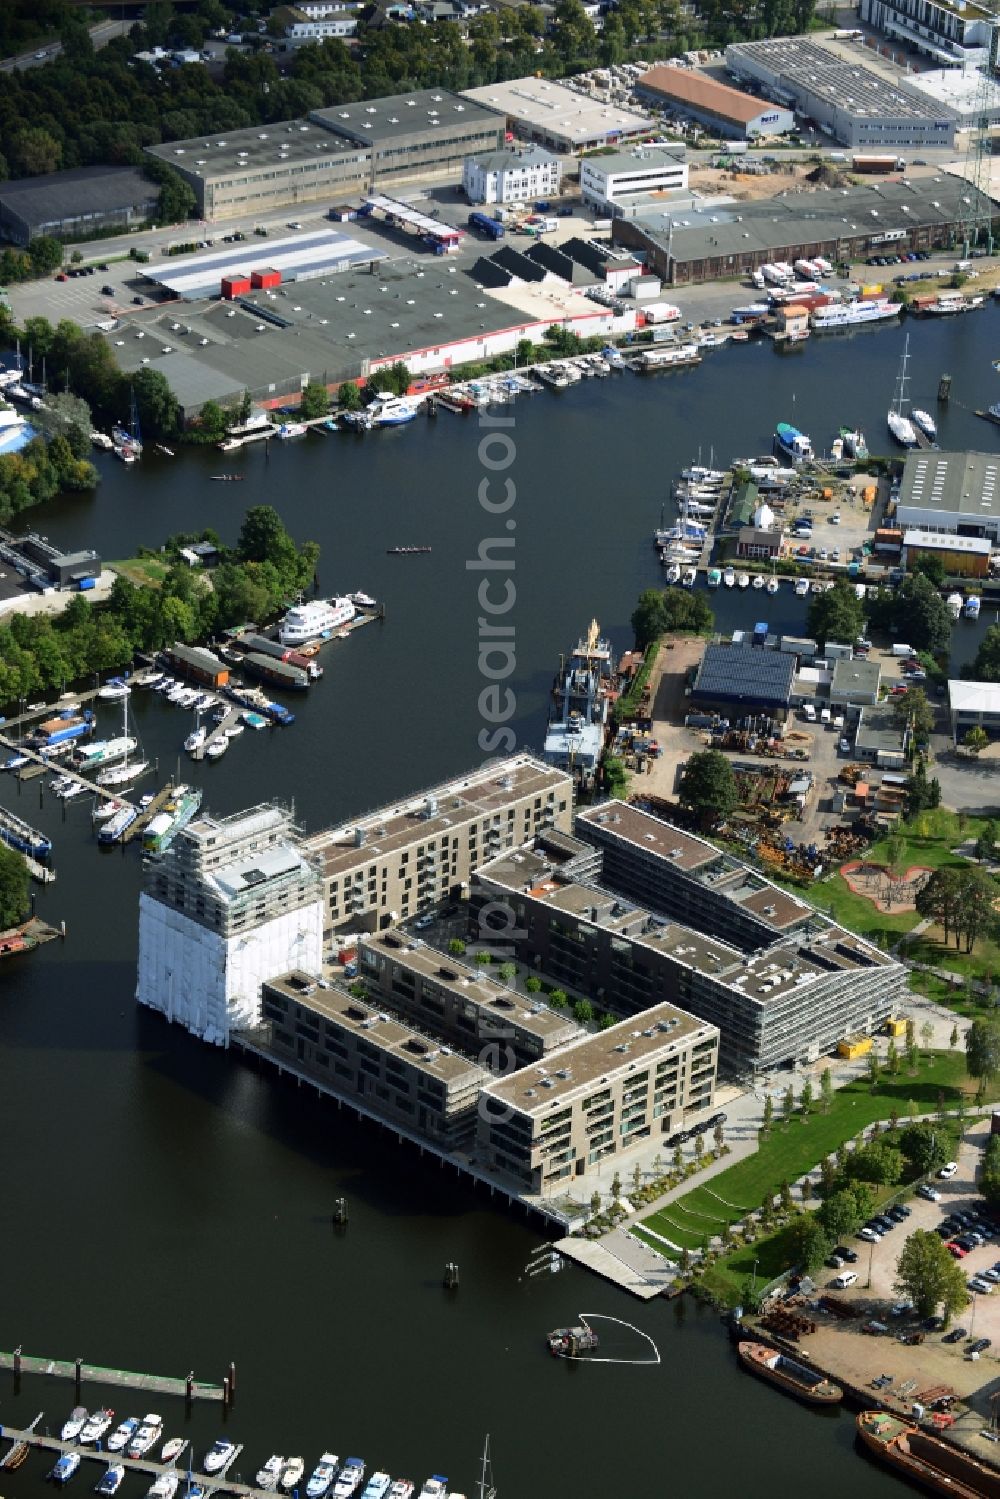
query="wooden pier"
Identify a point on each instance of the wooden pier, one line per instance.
(210, 1482)
(148, 813)
(38, 759)
(75, 1369)
(219, 732)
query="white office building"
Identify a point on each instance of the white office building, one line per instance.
(515, 176)
(624, 178)
(232, 903)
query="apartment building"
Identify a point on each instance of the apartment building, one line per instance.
(381, 1066)
(790, 1000)
(392, 864)
(461, 1004)
(515, 175)
(600, 1095)
(231, 903)
(954, 33)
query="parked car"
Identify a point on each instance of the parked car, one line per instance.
(982, 1286)
(901, 1309)
(955, 1336)
(835, 1262)
(422, 923)
(849, 1256)
(869, 1235)
(948, 1171)
(956, 1250)
(929, 1193)
(874, 1327)
(979, 1345)
(844, 1279)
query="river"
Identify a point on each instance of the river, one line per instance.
(166, 1208)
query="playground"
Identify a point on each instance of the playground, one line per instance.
(886, 891)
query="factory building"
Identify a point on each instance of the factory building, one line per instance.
(972, 705)
(961, 556)
(333, 153)
(77, 203)
(389, 865)
(951, 35)
(743, 679)
(954, 494)
(616, 182)
(512, 176)
(558, 116)
(721, 109)
(231, 903)
(45, 566)
(842, 95)
(600, 1095)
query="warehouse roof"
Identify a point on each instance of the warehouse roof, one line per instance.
(963, 483)
(808, 67)
(546, 105)
(856, 676)
(293, 255)
(807, 218)
(973, 697)
(878, 732)
(288, 143)
(698, 91)
(947, 541)
(378, 120)
(744, 673)
(81, 190)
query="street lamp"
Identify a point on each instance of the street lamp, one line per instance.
(972, 1319)
(871, 1251)
(753, 1279)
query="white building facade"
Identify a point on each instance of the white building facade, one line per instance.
(233, 902)
(511, 176)
(608, 182)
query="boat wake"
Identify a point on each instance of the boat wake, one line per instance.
(589, 1358)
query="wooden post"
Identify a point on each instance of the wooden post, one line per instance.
(189, 1388)
(232, 1378)
(340, 1212)
(17, 1362)
(451, 1276)
(944, 389)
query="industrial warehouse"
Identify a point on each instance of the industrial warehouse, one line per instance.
(560, 117)
(843, 95)
(333, 153)
(952, 494)
(82, 201)
(733, 239)
(724, 110)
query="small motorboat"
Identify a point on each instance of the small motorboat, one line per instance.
(255, 721)
(78, 1418)
(772, 585)
(743, 580)
(268, 1475)
(402, 1488)
(689, 577)
(234, 730)
(291, 1473)
(123, 1434)
(95, 1427)
(218, 1455)
(377, 1486)
(147, 1436)
(65, 1467)
(801, 587)
(115, 689)
(105, 807)
(217, 748)
(164, 1487)
(173, 1449)
(362, 600)
(195, 740)
(758, 580)
(729, 577)
(351, 1478)
(322, 1476)
(111, 1482)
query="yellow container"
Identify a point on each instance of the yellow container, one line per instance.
(858, 1047)
(871, 291)
(895, 1027)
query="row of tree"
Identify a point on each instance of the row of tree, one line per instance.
(961, 900)
(39, 653)
(41, 469)
(13, 888)
(662, 611)
(916, 608)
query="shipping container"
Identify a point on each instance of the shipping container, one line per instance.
(234, 286)
(265, 279)
(486, 225)
(895, 1026)
(860, 1046)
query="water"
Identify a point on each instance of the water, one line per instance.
(167, 1208)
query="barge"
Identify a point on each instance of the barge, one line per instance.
(19, 835)
(926, 1460)
(767, 1363)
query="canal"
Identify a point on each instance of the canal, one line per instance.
(166, 1208)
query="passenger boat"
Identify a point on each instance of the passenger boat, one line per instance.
(162, 448)
(218, 1455)
(19, 835)
(972, 606)
(789, 1375)
(101, 440)
(103, 751)
(925, 422)
(65, 1467)
(114, 689)
(254, 721)
(570, 1342)
(362, 600)
(172, 1449)
(316, 620)
(112, 1480)
(714, 577)
(112, 831)
(350, 1478)
(291, 1473)
(95, 1427)
(268, 1475)
(322, 1476)
(926, 1460)
(729, 577)
(393, 412)
(953, 603)
(792, 443)
(78, 1418)
(123, 1434)
(860, 590)
(164, 1487)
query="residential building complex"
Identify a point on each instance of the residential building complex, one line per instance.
(511, 176)
(600, 1094)
(626, 177)
(723, 110)
(954, 35)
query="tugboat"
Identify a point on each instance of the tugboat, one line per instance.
(571, 1342)
(793, 444)
(788, 1375)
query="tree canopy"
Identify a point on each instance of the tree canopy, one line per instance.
(837, 614)
(662, 610)
(928, 1275)
(916, 610)
(982, 1050)
(708, 786)
(961, 900)
(13, 887)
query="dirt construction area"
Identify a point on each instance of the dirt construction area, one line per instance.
(839, 1347)
(886, 891)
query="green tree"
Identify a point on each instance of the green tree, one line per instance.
(809, 1242)
(976, 739)
(583, 1011)
(648, 618)
(926, 1147)
(787, 1104)
(348, 396)
(982, 1051)
(874, 1066)
(827, 1177)
(826, 1090)
(456, 947)
(986, 843)
(532, 983)
(708, 786)
(913, 711)
(315, 401)
(616, 1187)
(806, 1097)
(768, 1112)
(699, 1146)
(939, 899)
(928, 623)
(881, 1164)
(159, 411)
(13, 888)
(953, 1038)
(985, 667)
(719, 1135)
(686, 609)
(595, 1204)
(930, 565)
(558, 999)
(677, 1159)
(989, 1171)
(928, 1275)
(926, 1035)
(837, 614)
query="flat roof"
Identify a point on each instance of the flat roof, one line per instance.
(385, 120)
(878, 731)
(620, 1049)
(293, 255)
(78, 190)
(288, 143)
(959, 88)
(973, 697)
(966, 484)
(632, 825)
(487, 995)
(439, 810)
(527, 155)
(948, 541)
(802, 66)
(543, 104)
(698, 91)
(382, 1031)
(639, 159)
(744, 673)
(855, 675)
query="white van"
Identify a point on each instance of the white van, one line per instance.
(824, 716)
(809, 712)
(844, 1279)
(899, 649)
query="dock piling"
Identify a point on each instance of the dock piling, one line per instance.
(227, 1393)
(17, 1362)
(77, 1373)
(189, 1389)
(232, 1379)
(451, 1276)
(340, 1213)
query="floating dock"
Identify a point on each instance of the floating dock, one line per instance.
(80, 1373)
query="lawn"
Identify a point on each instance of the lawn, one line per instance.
(145, 572)
(791, 1151)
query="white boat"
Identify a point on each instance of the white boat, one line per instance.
(195, 740)
(402, 1488)
(95, 1427)
(292, 429)
(164, 1487)
(902, 429)
(316, 620)
(689, 577)
(673, 574)
(172, 1449)
(900, 426)
(954, 603)
(377, 1486)
(112, 1480)
(772, 585)
(217, 748)
(322, 1476)
(65, 1467)
(105, 807)
(166, 684)
(218, 1455)
(394, 412)
(234, 730)
(729, 577)
(101, 440)
(436, 1487)
(743, 580)
(350, 1479)
(78, 1418)
(853, 314)
(291, 1473)
(801, 587)
(714, 577)
(758, 580)
(268, 1475)
(111, 832)
(114, 689)
(122, 1435)
(149, 1433)
(925, 422)
(972, 606)
(859, 590)
(103, 751)
(175, 691)
(362, 600)
(120, 775)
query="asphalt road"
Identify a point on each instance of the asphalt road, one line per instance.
(100, 35)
